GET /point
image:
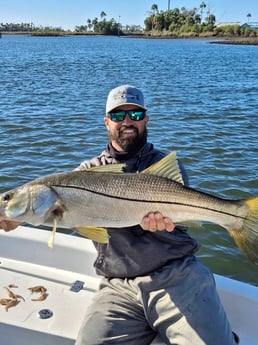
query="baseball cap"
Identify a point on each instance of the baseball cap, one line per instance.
(125, 94)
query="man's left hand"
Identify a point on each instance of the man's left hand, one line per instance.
(7, 224)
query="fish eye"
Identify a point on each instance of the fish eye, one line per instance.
(6, 197)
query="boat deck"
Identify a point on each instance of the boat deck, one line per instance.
(54, 269)
(26, 261)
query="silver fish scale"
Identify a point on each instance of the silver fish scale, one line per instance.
(131, 186)
(141, 187)
(146, 187)
(90, 196)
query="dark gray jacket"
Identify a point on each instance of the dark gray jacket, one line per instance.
(132, 251)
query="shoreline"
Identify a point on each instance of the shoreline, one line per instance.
(237, 41)
(214, 39)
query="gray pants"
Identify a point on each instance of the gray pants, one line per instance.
(178, 301)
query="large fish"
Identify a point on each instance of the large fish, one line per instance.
(91, 200)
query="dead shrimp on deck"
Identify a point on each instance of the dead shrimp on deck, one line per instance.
(8, 302)
(40, 289)
(13, 295)
(12, 300)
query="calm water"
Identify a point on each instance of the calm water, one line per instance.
(202, 100)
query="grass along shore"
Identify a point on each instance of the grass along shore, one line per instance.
(238, 40)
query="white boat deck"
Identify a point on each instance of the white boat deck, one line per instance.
(26, 261)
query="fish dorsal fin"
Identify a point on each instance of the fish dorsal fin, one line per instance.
(167, 167)
(108, 168)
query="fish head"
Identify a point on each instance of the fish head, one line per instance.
(31, 203)
(14, 202)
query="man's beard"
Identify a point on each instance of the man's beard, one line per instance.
(129, 144)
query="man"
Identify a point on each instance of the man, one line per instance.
(152, 283)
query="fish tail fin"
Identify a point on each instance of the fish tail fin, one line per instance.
(93, 233)
(247, 237)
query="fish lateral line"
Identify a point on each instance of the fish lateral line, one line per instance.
(152, 201)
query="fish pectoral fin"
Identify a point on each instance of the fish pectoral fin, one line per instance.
(93, 233)
(167, 167)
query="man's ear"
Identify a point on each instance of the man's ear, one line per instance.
(106, 121)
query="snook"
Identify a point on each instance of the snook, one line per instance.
(105, 197)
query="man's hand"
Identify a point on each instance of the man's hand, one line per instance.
(8, 225)
(155, 221)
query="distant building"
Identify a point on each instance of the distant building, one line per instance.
(251, 25)
(228, 24)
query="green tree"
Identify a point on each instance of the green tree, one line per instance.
(103, 15)
(81, 28)
(211, 19)
(89, 23)
(168, 19)
(248, 16)
(159, 21)
(202, 7)
(94, 23)
(154, 8)
(180, 21)
(148, 22)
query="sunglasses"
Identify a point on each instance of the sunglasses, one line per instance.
(135, 115)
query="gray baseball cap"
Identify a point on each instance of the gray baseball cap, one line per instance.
(124, 94)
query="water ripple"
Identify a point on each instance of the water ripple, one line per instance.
(202, 102)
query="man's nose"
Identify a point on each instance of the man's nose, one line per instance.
(127, 119)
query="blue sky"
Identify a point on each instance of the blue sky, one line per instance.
(69, 13)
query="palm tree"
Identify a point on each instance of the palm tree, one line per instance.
(248, 16)
(94, 23)
(154, 8)
(202, 6)
(102, 15)
(89, 23)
